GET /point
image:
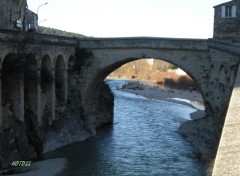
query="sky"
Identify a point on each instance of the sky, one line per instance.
(129, 18)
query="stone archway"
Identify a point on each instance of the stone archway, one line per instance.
(108, 60)
(30, 84)
(60, 85)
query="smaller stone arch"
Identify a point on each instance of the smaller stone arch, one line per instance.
(10, 79)
(212, 75)
(71, 64)
(232, 75)
(30, 84)
(60, 85)
(46, 90)
(60, 60)
(222, 76)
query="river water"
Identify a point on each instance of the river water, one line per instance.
(143, 141)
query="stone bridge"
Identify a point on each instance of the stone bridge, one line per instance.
(41, 73)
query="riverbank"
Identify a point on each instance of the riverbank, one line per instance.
(185, 97)
(48, 167)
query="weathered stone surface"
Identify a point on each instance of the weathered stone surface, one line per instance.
(204, 135)
(14, 143)
(105, 106)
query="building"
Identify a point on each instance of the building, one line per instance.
(15, 15)
(227, 20)
(12, 14)
(31, 21)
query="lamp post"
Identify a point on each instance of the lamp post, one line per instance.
(41, 6)
(42, 21)
(39, 29)
(37, 13)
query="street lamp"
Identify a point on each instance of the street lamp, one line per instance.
(41, 6)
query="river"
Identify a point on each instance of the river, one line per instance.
(143, 141)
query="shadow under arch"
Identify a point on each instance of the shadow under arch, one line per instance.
(10, 87)
(60, 84)
(46, 94)
(71, 65)
(30, 83)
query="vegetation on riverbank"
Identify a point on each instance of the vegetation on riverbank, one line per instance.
(161, 72)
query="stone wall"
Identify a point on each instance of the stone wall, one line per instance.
(227, 27)
(10, 12)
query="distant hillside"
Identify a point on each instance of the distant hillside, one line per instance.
(58, 32)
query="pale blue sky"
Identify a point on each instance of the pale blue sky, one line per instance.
(125, 18)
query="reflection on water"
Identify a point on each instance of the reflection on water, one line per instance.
(142, 141)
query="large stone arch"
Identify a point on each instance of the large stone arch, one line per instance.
(47, 90)
(100, 63)
(60, 84)
(106, 61)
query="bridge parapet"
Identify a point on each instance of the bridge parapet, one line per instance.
(144, 42)
(105, 43)
(36, 38)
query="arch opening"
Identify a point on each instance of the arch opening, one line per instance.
(10, 88)
(137, 73)
(30, 84)
(161, 74)
(60, 85)
(71, 64)
(46, 94)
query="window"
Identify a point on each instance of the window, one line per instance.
(229, 11)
